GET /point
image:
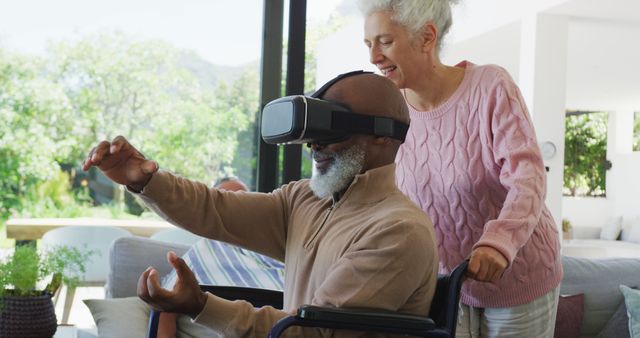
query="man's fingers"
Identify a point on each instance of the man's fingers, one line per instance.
(149, 167)
(143, 291)
(100, 152)
(153, 286)
(86, 164)
(182, 270)
(117, 144)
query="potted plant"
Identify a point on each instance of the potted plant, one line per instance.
(566, 229)
(28, 279)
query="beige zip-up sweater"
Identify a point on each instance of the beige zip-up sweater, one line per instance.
(372, 248)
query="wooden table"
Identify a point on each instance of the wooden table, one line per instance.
(29, 229)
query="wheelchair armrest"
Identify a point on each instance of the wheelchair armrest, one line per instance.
(257, 297)
(372, 318)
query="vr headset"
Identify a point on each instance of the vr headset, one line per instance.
(300, 119)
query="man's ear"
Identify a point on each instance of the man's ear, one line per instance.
(380, 140)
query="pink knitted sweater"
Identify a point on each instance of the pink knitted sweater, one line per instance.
(474, 166)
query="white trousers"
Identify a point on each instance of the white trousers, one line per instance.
(535, 319)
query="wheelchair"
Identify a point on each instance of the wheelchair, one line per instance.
(440, 324)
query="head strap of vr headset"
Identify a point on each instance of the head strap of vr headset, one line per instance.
(320, 92)
(354, 122)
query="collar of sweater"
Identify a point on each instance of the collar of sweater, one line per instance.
(372, 186)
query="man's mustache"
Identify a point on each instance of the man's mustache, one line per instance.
(318, 156)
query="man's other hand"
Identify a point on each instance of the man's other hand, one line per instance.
(121, 162)
(185, 297)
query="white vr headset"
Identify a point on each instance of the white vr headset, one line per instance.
(303, 119)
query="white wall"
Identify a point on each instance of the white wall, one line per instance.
(586, 211)
(623, 184)
(473, 18)
(602, 73)
(342, 52)
(500, 47)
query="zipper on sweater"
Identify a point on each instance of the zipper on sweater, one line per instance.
(315, 234)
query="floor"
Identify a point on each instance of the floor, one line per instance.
(80, 315)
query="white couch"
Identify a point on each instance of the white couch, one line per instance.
(598, 279)
(586, 242)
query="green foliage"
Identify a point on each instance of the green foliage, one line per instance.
(22, 273)
(566, 225)
(585, 154)
(35, 118)
(55, 108)
(139, 89)
(53, 198)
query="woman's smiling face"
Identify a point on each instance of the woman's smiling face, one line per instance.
(398, 55)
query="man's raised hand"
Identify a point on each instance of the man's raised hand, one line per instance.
(121, 162)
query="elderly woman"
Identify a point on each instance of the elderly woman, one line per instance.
(472, 162)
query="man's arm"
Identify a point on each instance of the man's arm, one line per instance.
(256, 221)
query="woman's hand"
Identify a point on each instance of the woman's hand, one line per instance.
(486, 264)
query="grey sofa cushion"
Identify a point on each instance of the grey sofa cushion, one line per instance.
(599, 280)
(618, 324)
(130, 256)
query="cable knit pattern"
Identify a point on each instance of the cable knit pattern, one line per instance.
(474, 166)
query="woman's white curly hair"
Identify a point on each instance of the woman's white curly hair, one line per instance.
(414, 14)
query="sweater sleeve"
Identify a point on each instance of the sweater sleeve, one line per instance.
(255, 221)
(516, 153)
(380, 271)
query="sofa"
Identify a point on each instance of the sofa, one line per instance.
(618, 237)
(597, 279)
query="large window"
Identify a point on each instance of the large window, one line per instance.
(585, 162)
(334, 45)
(180, 80)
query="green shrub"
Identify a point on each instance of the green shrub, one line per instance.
(54, 198)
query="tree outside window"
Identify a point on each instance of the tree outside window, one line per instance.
(54, 107)
(585, 161)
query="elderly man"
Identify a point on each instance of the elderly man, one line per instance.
(348, 236)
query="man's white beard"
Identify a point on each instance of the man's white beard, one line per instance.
(346, 165)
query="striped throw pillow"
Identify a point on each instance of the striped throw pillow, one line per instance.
(219, 263)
